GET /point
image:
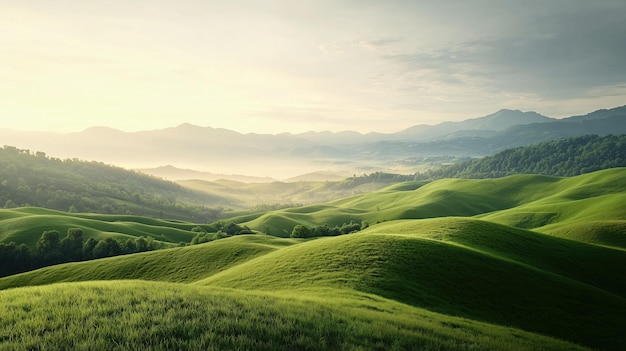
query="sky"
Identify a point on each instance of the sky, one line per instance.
(293, 66)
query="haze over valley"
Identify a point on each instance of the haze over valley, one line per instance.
(263, 157)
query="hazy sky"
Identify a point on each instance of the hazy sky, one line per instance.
(277, 66)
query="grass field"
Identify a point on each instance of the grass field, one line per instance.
(25, 225)
(551, 205)
(517, 263)
(139, 315)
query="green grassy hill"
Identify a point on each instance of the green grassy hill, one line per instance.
(139, 315)
(25, 225)
(459, 267)
(551, 205)
(519, 281)
(186, 264)
(452, 264)
(34, 179)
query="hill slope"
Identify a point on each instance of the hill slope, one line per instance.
(525, 201)
(454, 266)
(416, 265)
(563, 157)
(132, 315)
(186, 264)
(33, 179)
(432, 280)
(25, 225)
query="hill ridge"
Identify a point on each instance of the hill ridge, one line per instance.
(215, 149)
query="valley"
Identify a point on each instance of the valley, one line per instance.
(523, 249)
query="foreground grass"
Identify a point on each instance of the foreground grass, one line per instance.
(134, 315)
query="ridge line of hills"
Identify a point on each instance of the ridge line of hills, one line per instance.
(204, 148)
(78, 186)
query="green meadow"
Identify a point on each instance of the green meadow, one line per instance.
(517, 263)
(140, 315)
(25, 225)
(551, 205)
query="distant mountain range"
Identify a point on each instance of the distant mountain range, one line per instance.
(286, 155)
(172, 173)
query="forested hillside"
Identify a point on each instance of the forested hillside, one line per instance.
(563, 157)
(34, 179)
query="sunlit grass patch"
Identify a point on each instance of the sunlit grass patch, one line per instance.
(134, 315)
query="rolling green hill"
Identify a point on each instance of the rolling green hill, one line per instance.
(139, 315)
(25, 225)
(460, 267)
(548, 204)
(451, 264)
(34, 179)
(501, 284)
(174, 265)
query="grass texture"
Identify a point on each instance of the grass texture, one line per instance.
(139, 315)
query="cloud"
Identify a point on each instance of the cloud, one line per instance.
(555, 56)
(376, 44)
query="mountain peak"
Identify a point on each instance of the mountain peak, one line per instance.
(495, 122)
(187, 125)
(504, 119)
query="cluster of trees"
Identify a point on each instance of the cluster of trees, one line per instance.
(34, 179)
(224, 230)
(564, 157)
(273, 207)
(303, 231)
(376, 177)
(51, 249)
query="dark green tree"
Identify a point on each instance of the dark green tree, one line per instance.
(301, 231)
(142, 244)
(48, 248)
(231, 228)
(88, 247)
(72, 245)
(321, 230)
(14, 258)
(107, 248)
(129, 246)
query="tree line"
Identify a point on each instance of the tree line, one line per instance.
(224, 230)
(564, 157)
(303, 231)
(52, 249)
